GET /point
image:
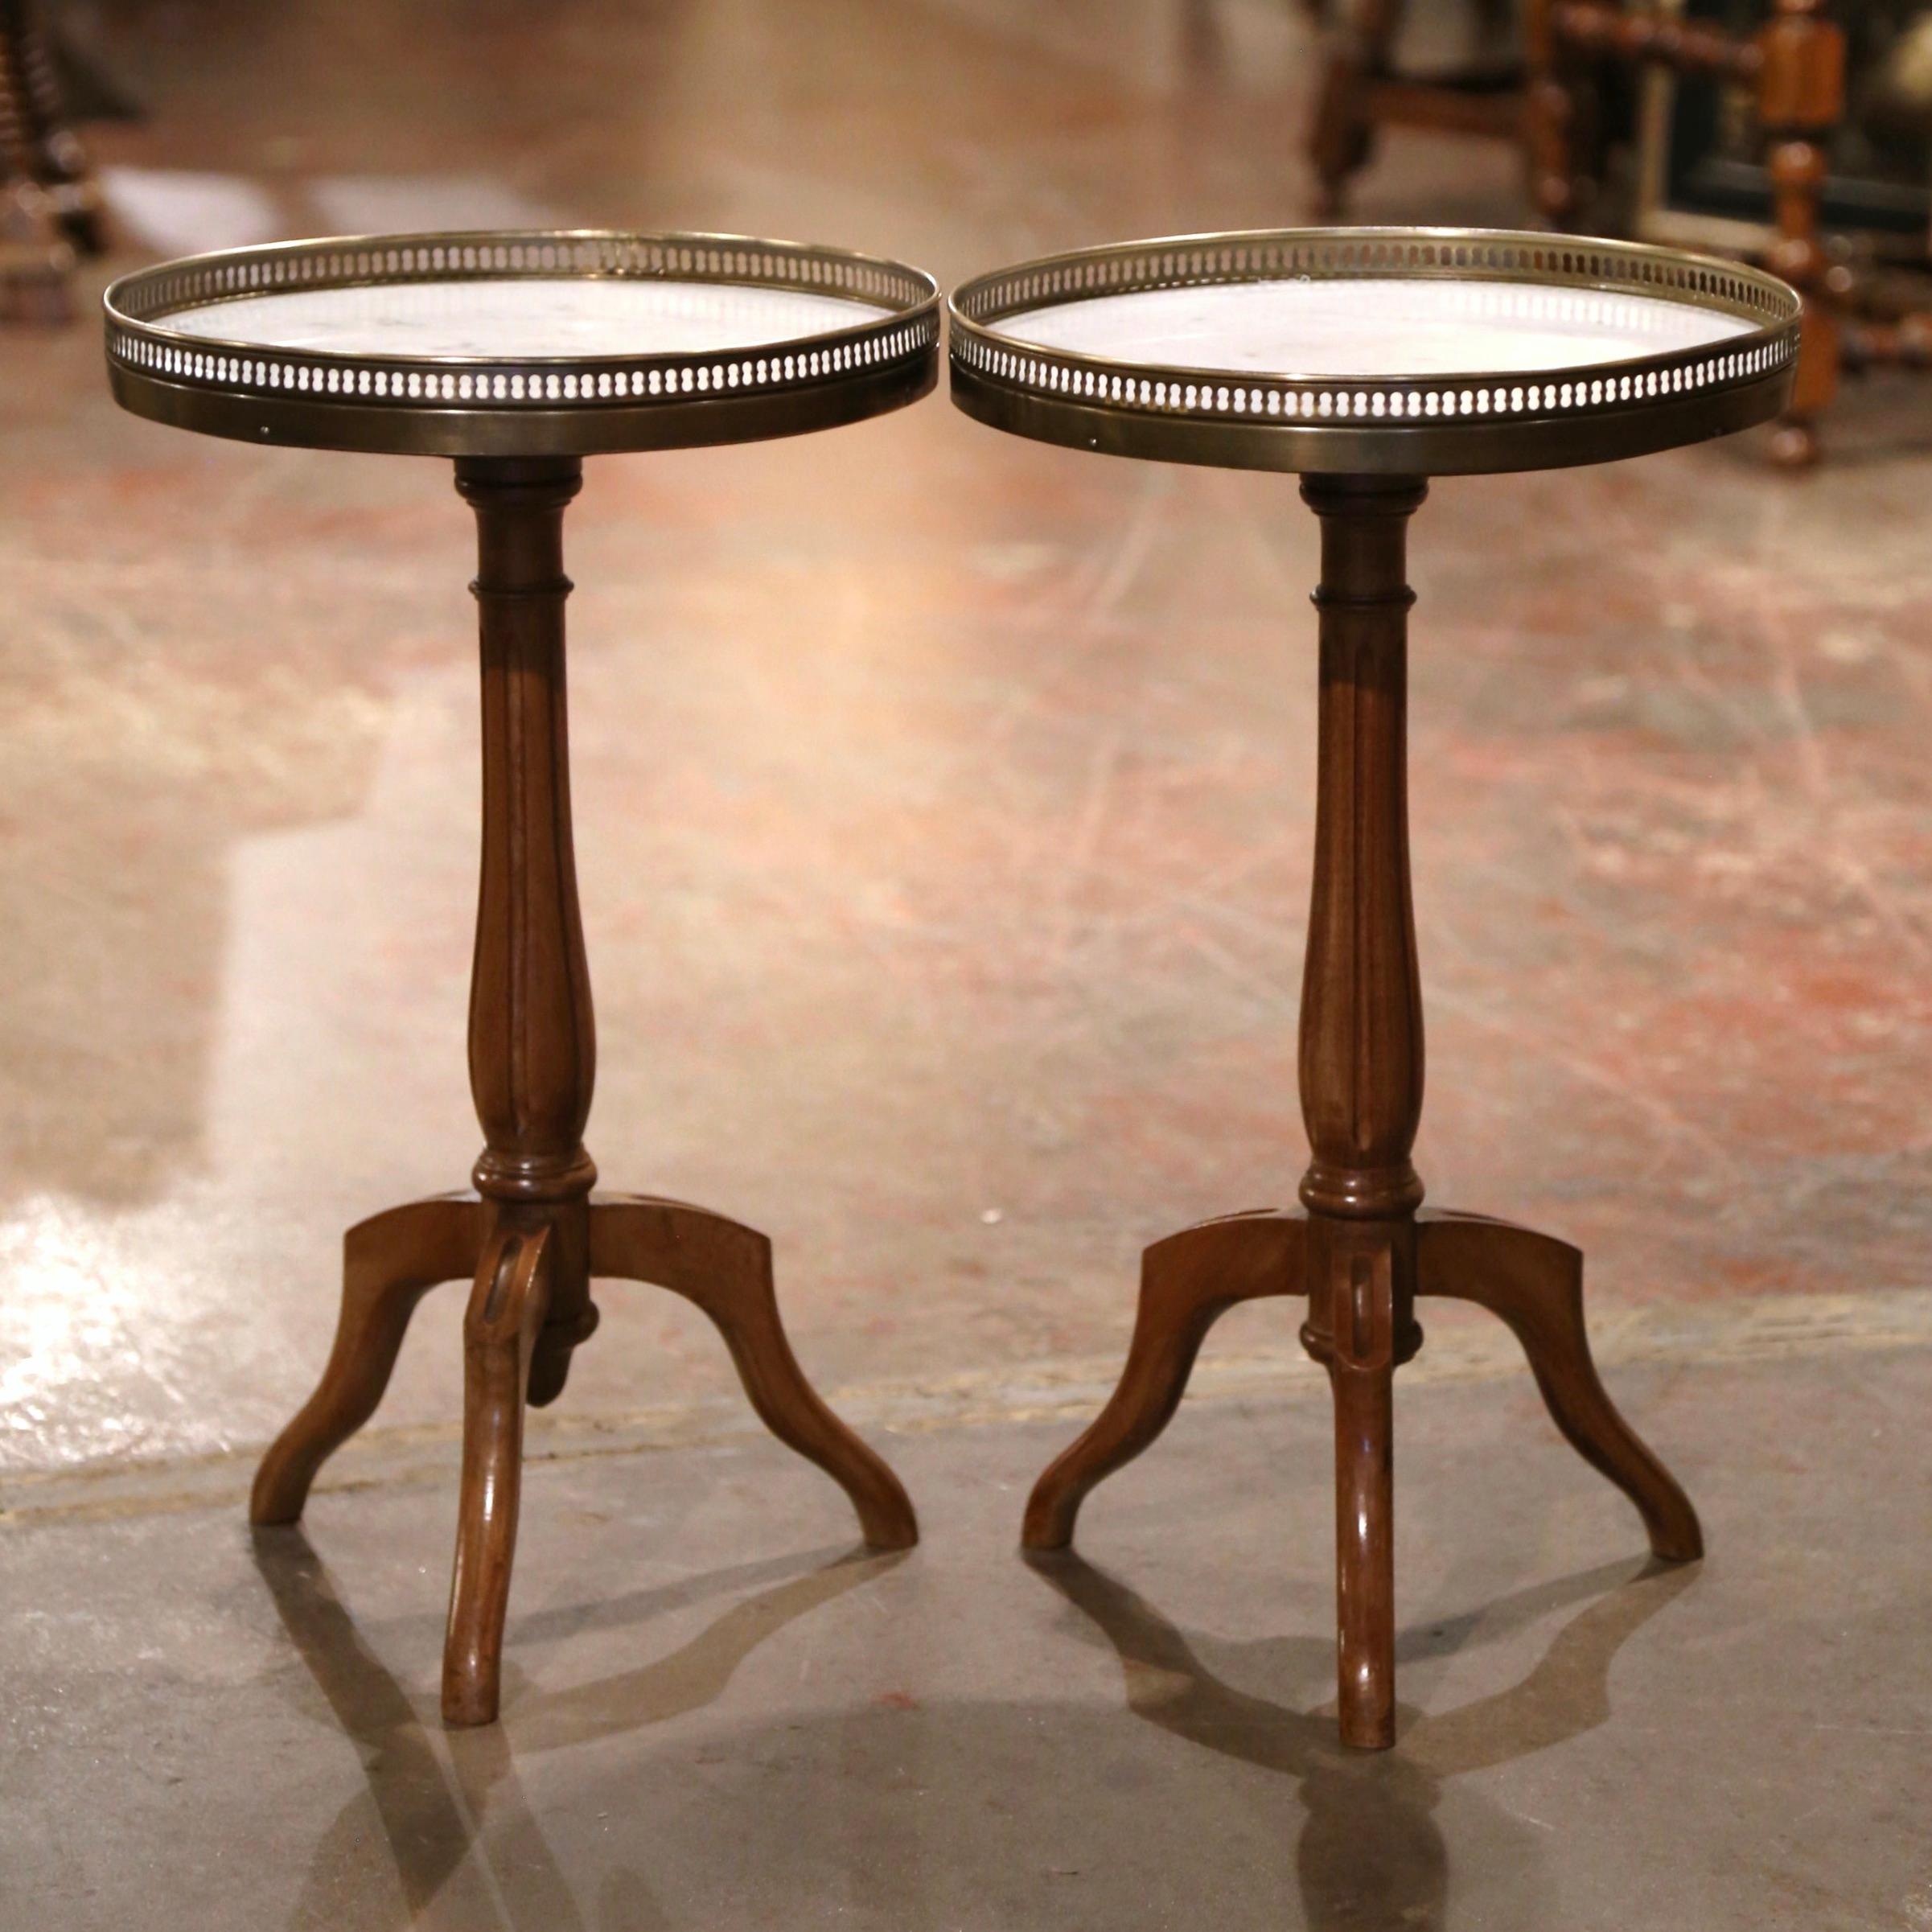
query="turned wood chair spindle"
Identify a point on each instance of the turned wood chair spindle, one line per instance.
(36, 256)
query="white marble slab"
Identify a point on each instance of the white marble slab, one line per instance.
(522, 317)
(1369, 327)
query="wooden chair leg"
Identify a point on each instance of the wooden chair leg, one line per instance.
(1559, 120)
(389, 1263)
(505, 1315)
(1535, 1283)
(36, 260)
(1187, 1283)
(1340, 138)
(1796, 443)
(1800, 100)
(726, 1269)
(58, 162)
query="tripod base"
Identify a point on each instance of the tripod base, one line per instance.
(531, 1266)
(1361, 1278)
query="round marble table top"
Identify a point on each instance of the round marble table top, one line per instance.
(1371, 327)
(521, 343)
(522, 317)
(1415, 352)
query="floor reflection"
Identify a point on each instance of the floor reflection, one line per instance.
(431, 1807)
(1371, 1857)
(577, 1814)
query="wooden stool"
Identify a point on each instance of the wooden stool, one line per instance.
(517, 354)
(1608, 350)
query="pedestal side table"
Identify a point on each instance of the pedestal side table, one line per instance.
(518, 355)
(1368, 360)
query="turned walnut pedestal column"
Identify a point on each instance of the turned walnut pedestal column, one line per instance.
(671, 340)
(1364, 360)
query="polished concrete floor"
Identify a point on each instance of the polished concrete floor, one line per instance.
(943, 805)
(718, 1714)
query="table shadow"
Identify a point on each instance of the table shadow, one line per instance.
(444, 1834)
(431, 1814)
(1371, 1857)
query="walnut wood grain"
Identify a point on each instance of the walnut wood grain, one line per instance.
(507, 1310)
(1187, 1283)
(1361, 1252)
(532, 1038)
(530, 1236)
(1534, 1283)
(532, 1032)
(1361, 1059)
(724, 1269)
(389, 1262)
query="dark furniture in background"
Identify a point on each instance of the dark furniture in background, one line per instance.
(1790, 138)
(50, 207)
(1793, 65)
(1360, 91)
(1741, 128)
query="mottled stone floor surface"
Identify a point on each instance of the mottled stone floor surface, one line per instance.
(718, 1713)
(944, 805)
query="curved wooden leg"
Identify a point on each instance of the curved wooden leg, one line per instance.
(389, 1262)
(1341, 133)
(1187, 1283)
(1365, 1552)
(726, 1269)
(1535, 1283)
(571, 1319)
(506, 1313)
(1360, 1328)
